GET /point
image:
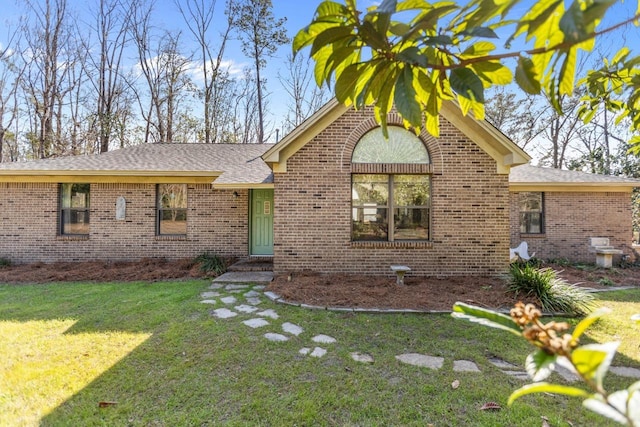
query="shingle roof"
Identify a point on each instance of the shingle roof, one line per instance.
(235, 163)
(527, 174)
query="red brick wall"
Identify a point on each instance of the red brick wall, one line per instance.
(216, 222)
(571, 219)
(312, 215)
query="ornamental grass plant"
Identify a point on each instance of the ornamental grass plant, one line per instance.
(553, 293)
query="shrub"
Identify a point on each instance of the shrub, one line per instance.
(4, 262)
(211, 263)
(553, 293)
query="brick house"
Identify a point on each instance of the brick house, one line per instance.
(333, 196)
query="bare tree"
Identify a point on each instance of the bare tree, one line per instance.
(306, 96)
(520, 118)
(164, 69)
(11, 70)
(262, 34)
(104, 65)
(49, 57)
(198, 16)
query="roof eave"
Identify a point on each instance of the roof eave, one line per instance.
(118, 176)
(574, 187)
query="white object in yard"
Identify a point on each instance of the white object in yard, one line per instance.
(400, 271)
(604, 251)
(521, 251)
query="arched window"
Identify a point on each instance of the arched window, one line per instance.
(390, 206)
(402, 146)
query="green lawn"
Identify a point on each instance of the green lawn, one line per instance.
(155, 351)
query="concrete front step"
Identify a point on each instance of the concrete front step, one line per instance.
(252, 264)
(254, 277)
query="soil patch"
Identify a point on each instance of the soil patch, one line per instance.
(325, 290)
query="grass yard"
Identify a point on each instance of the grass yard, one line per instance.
(152, 355)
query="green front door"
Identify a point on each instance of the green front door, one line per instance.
(261, 222)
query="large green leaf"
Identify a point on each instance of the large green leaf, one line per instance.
(592, 361)
(346, 83)
(467, 83)
(329, 36)
(539, 365)
(526, 76)
(405, 98)
(543, 387)
(566, 77)
(485, 317)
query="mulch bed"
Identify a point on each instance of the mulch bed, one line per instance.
(325, 290)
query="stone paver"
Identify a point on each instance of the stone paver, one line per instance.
(268, 313)
(623, 371)
(465, 366)
(362, 358)
(521, 375)
(276, 337)
(238, 287)
(502, 364)
(566, 374)
(323, 339)
(229, 300)
(209, 301)
(421, 360)
(209, 294)
(246, 308)
(254, 300)
(256, 323)
(272, 295)
(251, 294)
(304, 351)
(292, 329)
(224, 313)
(216, 286)
(318, 352)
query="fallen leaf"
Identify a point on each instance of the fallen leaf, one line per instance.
(455, 384)
(545, 422)
(490, 406)
(106, 404)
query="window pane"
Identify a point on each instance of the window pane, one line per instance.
(411, 224)
(74, 208)
(370, 223)
(173, 221)
(75, 221)
(172, 196)
(531, 222)
(530, 202)
(402, 146)
(411, 190)
(370, 190)
(531, 212)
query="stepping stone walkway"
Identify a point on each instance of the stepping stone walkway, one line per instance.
(251, 294)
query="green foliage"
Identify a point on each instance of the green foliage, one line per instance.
(553, 293)
(590, 362)
(605, 281)
(211, 264)
(442, 51)
(5, 262)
